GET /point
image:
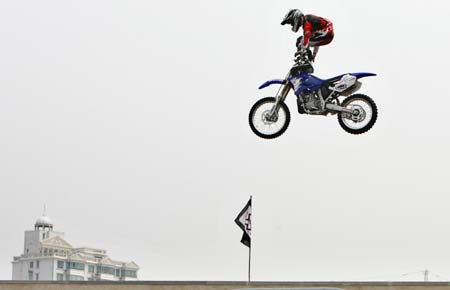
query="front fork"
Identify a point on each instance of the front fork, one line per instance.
(279, 99)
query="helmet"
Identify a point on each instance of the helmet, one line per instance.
(295, 18)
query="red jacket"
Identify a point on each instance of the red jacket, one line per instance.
(315, 24)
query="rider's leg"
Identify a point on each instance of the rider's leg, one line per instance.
(319, 40)
(299, 42)
(315, 51)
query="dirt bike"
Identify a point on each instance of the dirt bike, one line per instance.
(270, 116)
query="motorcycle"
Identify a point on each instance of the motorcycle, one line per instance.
(270, 117)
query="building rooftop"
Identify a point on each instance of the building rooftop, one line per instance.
(44, 221)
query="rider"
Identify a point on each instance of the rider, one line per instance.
(317, 31)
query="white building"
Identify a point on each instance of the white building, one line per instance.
(47, 256)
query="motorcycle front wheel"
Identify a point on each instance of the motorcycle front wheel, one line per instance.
(364, 116)
(261, 122)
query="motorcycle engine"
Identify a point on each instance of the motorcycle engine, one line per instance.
(311, 101)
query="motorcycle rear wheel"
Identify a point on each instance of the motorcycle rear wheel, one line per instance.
(368, 107)
(263, 127)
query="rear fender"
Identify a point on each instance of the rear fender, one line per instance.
(359, 75)
(272, 82)
(357, 85)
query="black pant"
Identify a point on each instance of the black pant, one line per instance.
(318, 39)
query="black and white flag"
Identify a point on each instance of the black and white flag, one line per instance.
(244, 221)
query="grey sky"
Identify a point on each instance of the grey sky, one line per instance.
(129, 120)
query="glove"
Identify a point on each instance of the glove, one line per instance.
(301, 50)
(298, 54)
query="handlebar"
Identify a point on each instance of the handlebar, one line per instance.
(303, 55)
(302, 62)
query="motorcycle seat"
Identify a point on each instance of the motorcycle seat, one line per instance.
(333, 79)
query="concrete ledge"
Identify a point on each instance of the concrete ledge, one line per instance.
(266, 283)
(218, 285)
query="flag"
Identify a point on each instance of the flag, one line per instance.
(244, 221)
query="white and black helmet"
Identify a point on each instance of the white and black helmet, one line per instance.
(295, 18)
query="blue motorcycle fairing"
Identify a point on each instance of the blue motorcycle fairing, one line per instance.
(305, 81)
(272, 82)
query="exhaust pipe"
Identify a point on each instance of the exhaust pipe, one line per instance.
(336, 108)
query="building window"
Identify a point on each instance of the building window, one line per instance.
(107, 270)
(37, 276)
(129, 273)
(31, 265)
(60, 264)
(30, 275)
(117, 272)
(91, 268)
(75, 265)
(59, 277)
(37, 264)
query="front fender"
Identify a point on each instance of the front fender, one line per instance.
(272, 82)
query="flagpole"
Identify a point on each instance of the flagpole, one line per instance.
(250, 250)
(244, 222)
(249, 263)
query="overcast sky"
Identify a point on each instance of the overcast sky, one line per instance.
(129, 120)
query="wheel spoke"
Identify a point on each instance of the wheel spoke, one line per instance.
(366, 111)
(364, 114)
(265, 127)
